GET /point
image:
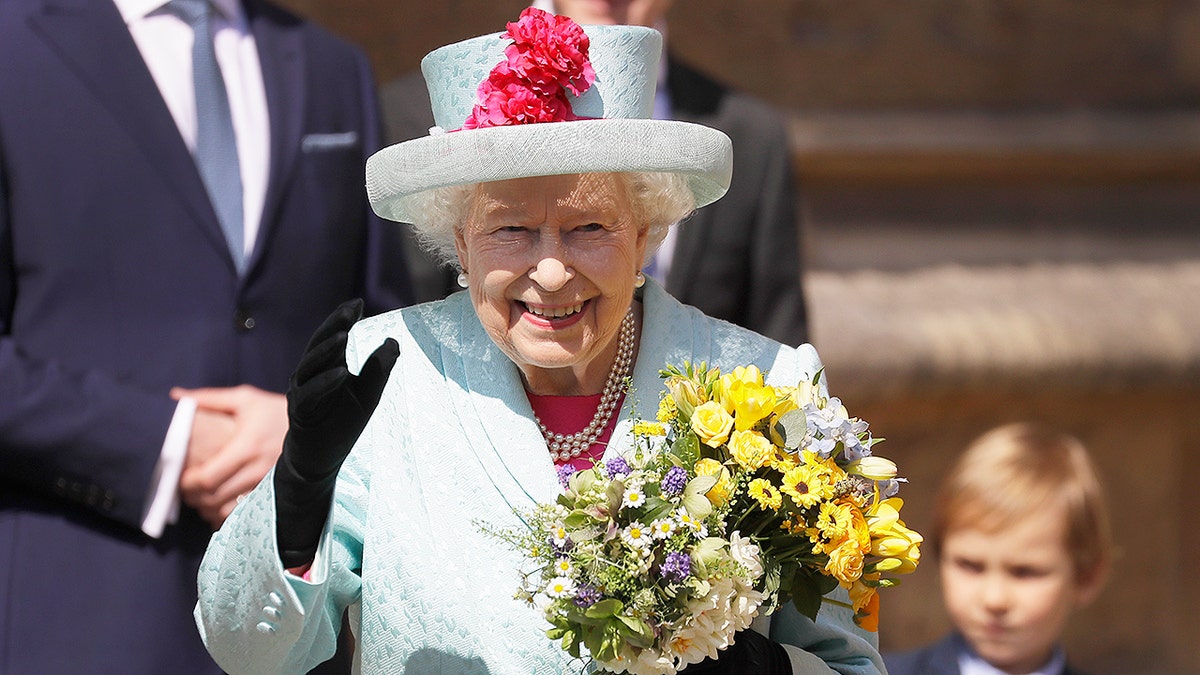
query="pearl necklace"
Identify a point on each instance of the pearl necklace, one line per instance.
(565, 447)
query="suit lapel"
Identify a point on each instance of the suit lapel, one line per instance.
(281, 56)
(92, 39)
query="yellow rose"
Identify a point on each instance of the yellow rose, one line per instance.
(711, 423)
(720, 493)
(845, 562)
(750, 449)
(865, 600)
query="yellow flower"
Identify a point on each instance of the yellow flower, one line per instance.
(875, 468)
(765, 494)
(711, 423)
(835, 520)
(745, 396)
(667, 412)
(687, 393)
(808, 485)
(720, 493)
(865, 600)
(750, 449)
(891, 539)
(845, 562)
(649, 429)
(786, 400)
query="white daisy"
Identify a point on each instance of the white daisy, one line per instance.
(561, 587)
(637, 535)
(634, 497)
(563, 567)
(663, 528)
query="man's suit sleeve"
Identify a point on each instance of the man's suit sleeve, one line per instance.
(388, 282)
(776, 299)
(80, 437)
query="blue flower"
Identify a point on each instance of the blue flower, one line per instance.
(676, 567)
(674, 481)
(586, 595)
(617, 466)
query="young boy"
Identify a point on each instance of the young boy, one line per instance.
(1022, 538)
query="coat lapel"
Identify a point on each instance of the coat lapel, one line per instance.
(91, 37)
(281, 56)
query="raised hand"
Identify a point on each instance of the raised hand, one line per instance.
(327, 411)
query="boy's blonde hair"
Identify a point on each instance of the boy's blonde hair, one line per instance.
(1014, 470)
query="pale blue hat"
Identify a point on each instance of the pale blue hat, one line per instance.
(622, 136)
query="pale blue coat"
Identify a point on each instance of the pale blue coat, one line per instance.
(453, 444)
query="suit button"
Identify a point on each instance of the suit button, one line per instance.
(265, 627)
(243, 320)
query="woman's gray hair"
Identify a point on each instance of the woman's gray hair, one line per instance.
(659, 201)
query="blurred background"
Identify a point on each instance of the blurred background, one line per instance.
(999, 206)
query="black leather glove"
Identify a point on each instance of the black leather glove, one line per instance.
(327, 410)
(750, 654)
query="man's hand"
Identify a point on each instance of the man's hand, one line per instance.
(252, 423)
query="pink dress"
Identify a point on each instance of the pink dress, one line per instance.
(569, 414)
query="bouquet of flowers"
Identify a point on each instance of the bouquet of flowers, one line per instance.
(739, 497)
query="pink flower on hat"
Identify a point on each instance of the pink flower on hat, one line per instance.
(506, 100)
(550, 49)
(549, 56)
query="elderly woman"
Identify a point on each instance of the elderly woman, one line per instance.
(549, 194)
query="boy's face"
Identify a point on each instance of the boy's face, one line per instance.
(1010, 592)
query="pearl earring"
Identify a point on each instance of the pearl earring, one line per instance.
(462, 279)
(639, 279)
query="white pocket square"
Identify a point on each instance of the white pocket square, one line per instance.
(321, 142)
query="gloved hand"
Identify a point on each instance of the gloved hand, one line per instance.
(327, 410)
(750, 654)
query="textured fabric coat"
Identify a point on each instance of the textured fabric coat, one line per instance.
(452, 445)
(116, 284)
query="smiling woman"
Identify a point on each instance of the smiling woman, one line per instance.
(553, 189)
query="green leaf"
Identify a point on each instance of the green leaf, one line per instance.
(791, 427)
(603, 609)
(806, 595)
(687, 449)
(700, 485)
(578, 520)
(697, 506)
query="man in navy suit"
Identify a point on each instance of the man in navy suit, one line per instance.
(142, 349)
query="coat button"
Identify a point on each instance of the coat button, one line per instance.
(243, 320)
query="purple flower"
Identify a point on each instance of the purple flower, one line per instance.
(676, 567)
(674, 481)
(564, 475)
(617, 466)
(586, 596)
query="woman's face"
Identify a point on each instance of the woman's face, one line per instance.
(551, 262)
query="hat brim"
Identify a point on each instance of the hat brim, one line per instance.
(396, 173)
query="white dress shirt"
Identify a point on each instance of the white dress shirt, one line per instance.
(165, 42)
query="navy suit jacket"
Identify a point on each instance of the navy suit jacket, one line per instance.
(939, 658)
(116, 284)
(737, 259)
